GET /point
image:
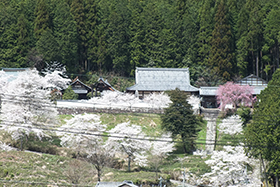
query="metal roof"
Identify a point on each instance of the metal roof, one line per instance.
(13, 73)
(162, 79)
(212, 91)
(252, 80)
(208, 91)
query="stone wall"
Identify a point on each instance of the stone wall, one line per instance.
(82, 110)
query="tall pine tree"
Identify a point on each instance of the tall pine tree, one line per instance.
(221, 54)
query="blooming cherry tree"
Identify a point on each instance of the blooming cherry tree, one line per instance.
(161, 147)
(83, 133)
(231, 125)
(158, 100)
(235, 95)
(229, 166)
(79, 130)
(26, 106)
(130, 140)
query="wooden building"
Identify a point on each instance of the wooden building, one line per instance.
(151, 80)
(80, 88)
(103, 85)
(208, 94)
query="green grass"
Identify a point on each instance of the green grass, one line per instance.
(201, 138)
(45, 168)
(150, 123)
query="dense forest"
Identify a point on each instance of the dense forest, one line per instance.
(218, 40)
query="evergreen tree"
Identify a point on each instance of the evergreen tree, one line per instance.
(137, 35)
(271, 36)
(69, 94)
(91, 12)
(179, 119)
(65, 34)
(205, 31)
(262, 136)
(42, 21)
(118, 37)
(242, 43)
(48, 47)
(8, 36)
(153, 27)
(221, 54)
(255, 34)
(78, 12)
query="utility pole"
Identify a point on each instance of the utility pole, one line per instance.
(184, 176)
(160, 181)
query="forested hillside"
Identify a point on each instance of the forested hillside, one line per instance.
(218, 40)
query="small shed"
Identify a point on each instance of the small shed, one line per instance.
(150, 80)
(103, 85)
(80, 88)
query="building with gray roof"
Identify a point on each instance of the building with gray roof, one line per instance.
(150, 80)
(208, 94)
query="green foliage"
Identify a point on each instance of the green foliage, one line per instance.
(262, 136)
(221, 53)
(69, 94)
(179, 119)
(118, 36)
(246, 115)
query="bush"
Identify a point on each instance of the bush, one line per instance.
(69, 94)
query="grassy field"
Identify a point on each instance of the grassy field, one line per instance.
(19, 168)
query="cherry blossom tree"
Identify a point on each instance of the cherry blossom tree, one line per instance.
(161, 147)
(83, 133)
(126, 138)
(235, 95)
(159, 100)
(231, 125)
(130, 100)
(26, 104)
(194, 101)
(230, 166)
(78, 130)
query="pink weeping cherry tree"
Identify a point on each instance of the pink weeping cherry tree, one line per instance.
(235, 95)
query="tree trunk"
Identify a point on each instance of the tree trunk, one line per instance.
(277, 55)
(129, 160)
(184, 144)
(264, 172)
(98, 174)
(276, 181)
(257, 65)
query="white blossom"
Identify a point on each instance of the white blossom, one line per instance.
(163, 146)
(25, 103)
(229, 166)
(231, 125)
(79, 129)
(129, 139)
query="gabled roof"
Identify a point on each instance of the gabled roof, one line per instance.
(76, 80)
(84, 90)
(162, 79)
(106, 83)
(252, 80)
